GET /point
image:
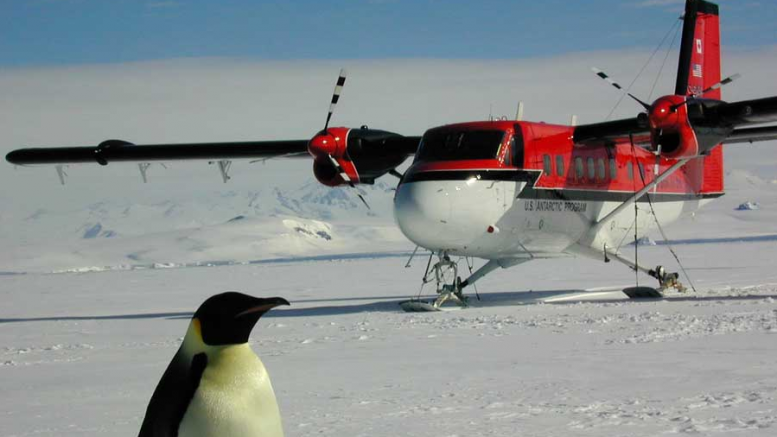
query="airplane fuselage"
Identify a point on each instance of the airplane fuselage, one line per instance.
(530, 193)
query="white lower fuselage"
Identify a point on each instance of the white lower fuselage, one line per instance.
(497, 219)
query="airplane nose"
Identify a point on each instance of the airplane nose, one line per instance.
(422, 210)
(447, 215)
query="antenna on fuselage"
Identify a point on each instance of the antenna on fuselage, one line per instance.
(519, 112)
(573, 120)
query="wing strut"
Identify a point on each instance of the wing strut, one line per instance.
(143, 167)
(638, 195)
(224, 165)
(61, 173)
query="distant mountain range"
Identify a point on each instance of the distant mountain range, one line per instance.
(111, 218)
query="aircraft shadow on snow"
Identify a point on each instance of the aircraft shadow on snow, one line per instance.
(390, 304)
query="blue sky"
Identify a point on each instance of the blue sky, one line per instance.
(61, 32)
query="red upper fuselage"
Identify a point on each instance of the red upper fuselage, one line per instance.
(549, 152)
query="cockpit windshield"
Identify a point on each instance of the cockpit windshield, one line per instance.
(447, 145)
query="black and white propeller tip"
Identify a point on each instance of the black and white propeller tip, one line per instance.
(720, 84)
(335, 96)
(607, 79)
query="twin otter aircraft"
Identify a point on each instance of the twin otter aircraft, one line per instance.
(512, 191)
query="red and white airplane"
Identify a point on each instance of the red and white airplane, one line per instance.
(512, 191)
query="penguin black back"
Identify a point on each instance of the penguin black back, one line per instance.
(172, 396)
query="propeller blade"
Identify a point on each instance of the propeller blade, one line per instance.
(362, 198)
(644, 105)
(725, 81)
(335, 96)
(606, 78)
(348, 180)
(340, 170)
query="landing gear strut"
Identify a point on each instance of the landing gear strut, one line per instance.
(666, 280)
(445, 274)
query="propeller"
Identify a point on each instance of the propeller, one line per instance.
(607, 79)
(338, 168)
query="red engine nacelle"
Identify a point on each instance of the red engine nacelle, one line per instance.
(339, 151)
(330, 157)
(671, 129)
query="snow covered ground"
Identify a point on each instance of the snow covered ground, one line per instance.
(81, 353)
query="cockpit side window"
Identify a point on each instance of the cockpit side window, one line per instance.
(451, 145)
(516, 146)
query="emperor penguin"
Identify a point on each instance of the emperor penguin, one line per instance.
(216, 386)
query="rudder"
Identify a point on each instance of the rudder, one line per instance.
(698, 69)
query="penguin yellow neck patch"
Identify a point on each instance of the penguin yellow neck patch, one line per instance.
(197, 328)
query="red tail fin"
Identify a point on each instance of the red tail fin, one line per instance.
(699, 69)
(699, 66)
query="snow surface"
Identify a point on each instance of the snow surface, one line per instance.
(82, 353)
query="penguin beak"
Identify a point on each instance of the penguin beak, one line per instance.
(264, 306)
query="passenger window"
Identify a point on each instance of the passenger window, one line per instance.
(613, 169)
(600, 167)
(591, 169)
(579, 168)
(641, 171)
(559, 165)
(546, 165)
(630, 170)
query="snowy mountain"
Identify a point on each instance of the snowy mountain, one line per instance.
(218, 227)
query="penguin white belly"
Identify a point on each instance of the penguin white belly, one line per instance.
(234, 398)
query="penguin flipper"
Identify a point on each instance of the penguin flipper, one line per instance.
(172, 395)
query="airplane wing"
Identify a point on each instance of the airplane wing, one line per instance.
(613, 132)
(340, 155)
(751, 135)
(703, 116)
(118, 151)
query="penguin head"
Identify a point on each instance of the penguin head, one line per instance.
(228, 318)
